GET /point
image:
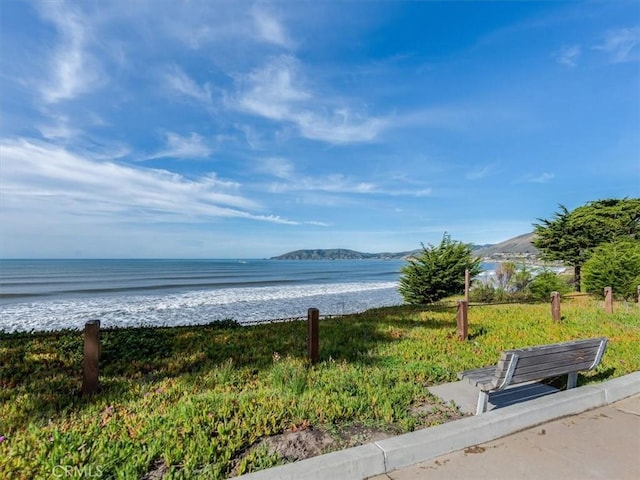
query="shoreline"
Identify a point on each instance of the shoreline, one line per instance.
(259, 305)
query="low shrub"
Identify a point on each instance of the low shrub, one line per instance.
(546, 282)
(615, 265)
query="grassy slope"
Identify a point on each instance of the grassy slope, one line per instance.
(196, 398)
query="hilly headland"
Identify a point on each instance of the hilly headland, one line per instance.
(516, 248)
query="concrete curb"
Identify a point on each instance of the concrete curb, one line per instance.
(403, 450)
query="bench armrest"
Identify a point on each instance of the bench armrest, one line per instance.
(479, 377)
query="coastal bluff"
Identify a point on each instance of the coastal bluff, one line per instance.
(341, 254)
(514, 248)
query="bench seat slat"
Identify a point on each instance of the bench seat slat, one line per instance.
(556, 367)
(572, 355)
(557, 347)
(537, 374)
(570, 365)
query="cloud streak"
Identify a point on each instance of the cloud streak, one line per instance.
(622, 45)
(270, 30)
(481, 172)
(277, 91)
(183, 147)
(568, 55)
(289, 180)
(545, 177)
(177, 81)
(64, 183)
(74, 70)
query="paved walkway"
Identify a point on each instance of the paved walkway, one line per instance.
(598, 444)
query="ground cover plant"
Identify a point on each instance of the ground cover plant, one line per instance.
(209, 401)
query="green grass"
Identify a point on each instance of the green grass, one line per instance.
(196, 399)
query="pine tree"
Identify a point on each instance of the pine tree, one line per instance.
(571, 236)
(437, 272)
(615, 265)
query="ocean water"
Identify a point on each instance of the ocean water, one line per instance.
(56, 294)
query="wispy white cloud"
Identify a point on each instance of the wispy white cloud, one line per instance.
(222, 26)
(73, 69)
(621, 45)
(270, 29)
(334, 183)
(318, 224)
(277, 167)
(340, 126)
(179, 82)
(183, 147)
(480, 172)
(58, 128)
(46, 177)
(274, 91)
(289, 180)
(541, 178)
(278, 91)
(254, 138)
(568, 55)
(458, 117)
(424, 192)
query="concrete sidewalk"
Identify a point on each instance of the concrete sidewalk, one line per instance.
(612, 448)
(603, 443)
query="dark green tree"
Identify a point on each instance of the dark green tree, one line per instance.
(437, 272)
(546, 282)
(615, 265)
(571, 236)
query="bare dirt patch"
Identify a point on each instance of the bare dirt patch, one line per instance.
(356, 434)
(293, 446)
(430, 413)
(159, 469)
(298, 444)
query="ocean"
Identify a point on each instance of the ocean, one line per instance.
(58, 294)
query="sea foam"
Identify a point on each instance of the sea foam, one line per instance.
(245, 305)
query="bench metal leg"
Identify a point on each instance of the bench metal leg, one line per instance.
(572, 380)
(483, 400)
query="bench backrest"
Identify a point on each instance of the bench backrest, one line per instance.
(534, 363)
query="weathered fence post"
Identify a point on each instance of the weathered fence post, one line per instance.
(313, 334)
(608, 299)
(467, 281)
(638, 295)
(463, 325)
(91, 357)
(555, 306)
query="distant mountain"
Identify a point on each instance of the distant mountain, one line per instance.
(520, 246)
(517, 247)
(340, 254)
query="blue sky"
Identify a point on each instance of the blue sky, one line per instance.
(240, 129)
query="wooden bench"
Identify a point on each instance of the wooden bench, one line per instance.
(536, 363)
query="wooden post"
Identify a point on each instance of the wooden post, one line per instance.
(555, 306)
(91, 357)
(608, 299)
(638, 295)
(313, 334)
(463, 325)
(467, 281)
